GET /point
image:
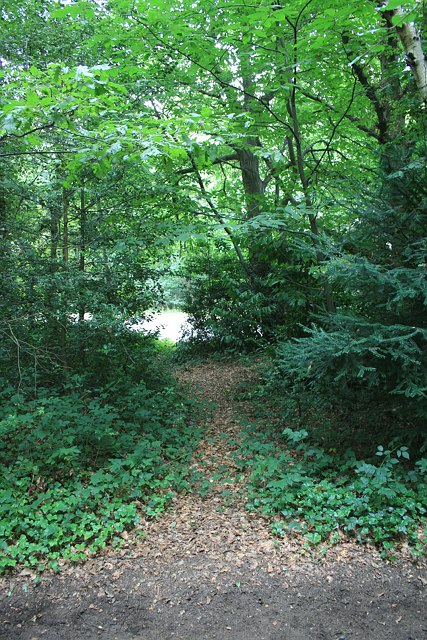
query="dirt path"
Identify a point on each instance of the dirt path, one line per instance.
(210, 570)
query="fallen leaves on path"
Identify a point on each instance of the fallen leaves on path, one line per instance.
(212, 524)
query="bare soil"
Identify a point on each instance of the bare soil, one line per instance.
(209, 569)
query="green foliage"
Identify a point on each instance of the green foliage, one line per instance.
(228, 310)
(371, 353)
(327, 496)
(282, 149)
(223, 312)
(354, 361)
(173, 285)
(78, 467)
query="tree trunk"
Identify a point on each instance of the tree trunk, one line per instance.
(82, 248)
(65, 256)
(253, 185)
(65, 207)
(54, 235)
(412, 45)
(82, 266)
(296, 153)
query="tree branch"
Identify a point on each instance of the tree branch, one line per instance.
(220, 81)
(50, 125)
(334, 129)
(370, 92)
(35, 153)
(351, 118)
(226, 158)
(219, 217)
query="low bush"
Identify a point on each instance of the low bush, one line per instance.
(230, 310)
(328, 496)
(353, 362)
(78, 467)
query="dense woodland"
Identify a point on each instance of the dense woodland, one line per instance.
(260, 165)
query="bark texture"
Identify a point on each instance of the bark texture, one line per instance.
(411, 42)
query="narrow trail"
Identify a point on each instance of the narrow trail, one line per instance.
(213, 519)
(210, 570)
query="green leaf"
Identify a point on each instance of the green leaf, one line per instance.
(391, 5)
(399, 19)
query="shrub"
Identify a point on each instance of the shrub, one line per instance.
(327, 496)
(77, 467)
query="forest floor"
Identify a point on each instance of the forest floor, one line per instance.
(209, 569)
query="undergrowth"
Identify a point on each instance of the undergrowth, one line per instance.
(78, 467)
(331, 491)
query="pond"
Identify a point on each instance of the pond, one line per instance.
(169, 324)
